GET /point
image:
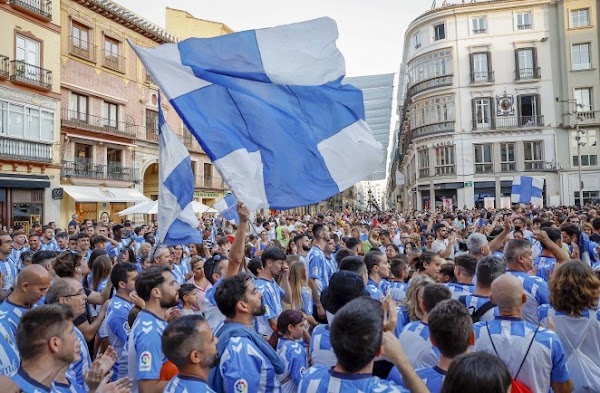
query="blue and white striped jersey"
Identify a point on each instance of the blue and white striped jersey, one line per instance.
(457, 290)
(118, 332)
(69, 387)
(245, 369)
(78, 369)
(9, 269)
(9, 355)
(322, 379)
(398, 290)
(271, 297)
(187, 384)
(433, 377)
(374, 290)
(544, 266)
(52, 245)
(293, 354)
(10, 315)
(28, 384)
(474, 302)
(417, 346)
(545, 361)
(320, 349)
(537, 293)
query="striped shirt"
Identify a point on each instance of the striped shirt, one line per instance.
(419, 349)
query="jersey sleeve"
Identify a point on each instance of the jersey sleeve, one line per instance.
(241, 372)
(315, 267)
(542, 295)
(150, 356)
(559, 371)
(118, 324)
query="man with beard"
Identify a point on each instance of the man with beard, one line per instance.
(303, 246)
(189, 343)
(248, 363)
(157, 287)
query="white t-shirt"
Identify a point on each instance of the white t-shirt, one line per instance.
(439, 246)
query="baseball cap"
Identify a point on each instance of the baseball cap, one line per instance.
(344, 286)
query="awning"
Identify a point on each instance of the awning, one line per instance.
(104, 194)
(8, 180)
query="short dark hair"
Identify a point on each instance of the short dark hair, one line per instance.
(62, 235)
(439, 226)
(450, 327)
(39, 325)
(372, 259)
(397, 264)
(185, 289)
(343, 253)
(299, 237)
(318, 228)
(426, 257)
(477, 372)
(231, 290)
(596, 223)
(467, 263)
(119, 273)
(41, 256)
(433, 294)
(553, 234)
(488, 269)
(148, 280)
(351, 242)
(65, 263)
(179, 338)
(98, 239)
(354, 264)
(356, 333)
(570, 229)
(255, 264)
(273, 254)
(82, 235)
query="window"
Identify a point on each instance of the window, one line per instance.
(529, 110)
(432, 111)
(28, 60)
(580, 18)
(417, 39)
(444, 160)
(588, 148)
(111, 53)
(26, 122)
(439, 32)
(80, 38)
(480, 67)
(507, 157)
(111, 114)
(524, 20)
(533, 155)
(208, 175)
(430, 66)
(424, 163)
(151, 124)
(580, 57)
(526, 61)
(479, 25)
(483, 158)
(78, 107)
(482, 113)
(588, 197)
(583, 98)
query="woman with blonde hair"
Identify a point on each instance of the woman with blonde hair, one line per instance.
(412, 296)
(301, 295)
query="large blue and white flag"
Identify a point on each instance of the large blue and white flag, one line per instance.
(227, 207)
(526, 189)
(269, 109)
(177, 221)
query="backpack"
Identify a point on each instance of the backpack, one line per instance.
(517, 386)
(480, 312)
(584, 373)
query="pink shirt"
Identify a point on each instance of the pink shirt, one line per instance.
(200, 293)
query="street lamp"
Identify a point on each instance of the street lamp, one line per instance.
(370, 200)
(578, 118)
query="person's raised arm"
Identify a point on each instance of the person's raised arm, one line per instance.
(499, 240)
(393, 351)
(236, 254)
(556, 251)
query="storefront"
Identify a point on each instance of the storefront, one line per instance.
(207, 198)
(487, 189)
(22, 199)
(100, 204)
(444, 196)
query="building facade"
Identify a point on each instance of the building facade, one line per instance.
(477, 105)
(29, 111)
(109, 120)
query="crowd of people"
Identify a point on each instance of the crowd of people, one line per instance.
(464, 301)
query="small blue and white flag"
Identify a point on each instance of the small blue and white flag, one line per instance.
(268, 108)
(526, 189)
(177, 221)
(227, 207)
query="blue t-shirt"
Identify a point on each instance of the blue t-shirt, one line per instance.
(317, 268)
(293, 354)
(374, 290)
(420, 351)
(537, 293)
(118, 332)
(433, 377)
(458, 290)
(272, 295)
(145, 357)
(544, 266)
(52, 245)
(397, 290)
(187, 384)
(322, 379)
(320, 347)
(10, 315)
(77, 370)
(28, 384)
(9, 269)
(9, 355)
(246, 369)
(474, 303)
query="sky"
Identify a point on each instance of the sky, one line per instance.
(371, 31)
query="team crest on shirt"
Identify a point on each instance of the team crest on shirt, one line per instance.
(240, 386)
(315, 270)
(126, 327)
(145, 361)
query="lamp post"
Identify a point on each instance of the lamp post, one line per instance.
(578, 117)
(370, 200)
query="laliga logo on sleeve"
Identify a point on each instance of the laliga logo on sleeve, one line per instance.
(145, 361)
(240, 386)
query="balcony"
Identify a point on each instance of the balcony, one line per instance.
(433, 83)
(83, 121)
(482, 77)
(508, 166)
(487, 167)
(150, 134)
(512, 122)
(541, 166)
(4, 65)
(527, 74)
(41, 9)
(82, 49)
(25, 150)
(85, 169)
(31, 75)
(432, 129)
(424, 172)
(113, 61)
(586, 115)
(525, 26)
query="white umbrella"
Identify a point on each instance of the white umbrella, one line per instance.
(202, 208)
(140, 208)
(152, 208)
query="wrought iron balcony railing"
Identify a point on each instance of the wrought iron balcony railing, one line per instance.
(30, 74)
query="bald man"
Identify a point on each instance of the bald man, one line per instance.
(534, 355)
(31, 285)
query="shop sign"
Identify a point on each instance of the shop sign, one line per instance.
(206, 195)
(468, 184)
